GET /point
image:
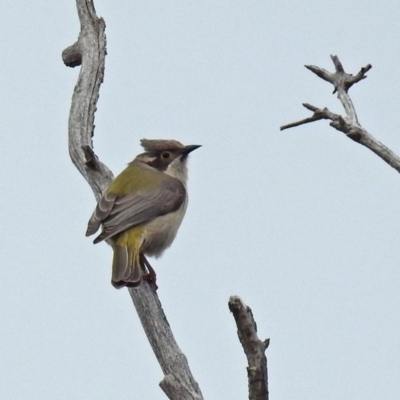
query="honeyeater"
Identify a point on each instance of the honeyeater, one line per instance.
(142, 209)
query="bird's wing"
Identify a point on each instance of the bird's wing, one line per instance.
(101, 212)
(118, 213)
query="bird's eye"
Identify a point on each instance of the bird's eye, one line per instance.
(165, 155)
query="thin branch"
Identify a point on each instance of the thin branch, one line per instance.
(253, 347)
(90, 51)
(318, 114)
(349, 123)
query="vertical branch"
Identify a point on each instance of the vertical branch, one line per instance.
(253, 347)
(89, 52)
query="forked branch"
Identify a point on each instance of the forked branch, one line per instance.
(348, 124)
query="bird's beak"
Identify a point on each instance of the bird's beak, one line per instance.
(189, 149)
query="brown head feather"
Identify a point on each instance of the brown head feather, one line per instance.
(152, 146)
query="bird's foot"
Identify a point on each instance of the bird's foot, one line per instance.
(150, 275)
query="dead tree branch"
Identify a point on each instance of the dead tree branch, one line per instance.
(89, 52)
(253, 347)
(348, 124)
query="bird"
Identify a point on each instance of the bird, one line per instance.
(142, 209)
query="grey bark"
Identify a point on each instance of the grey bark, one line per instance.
(349, 123)
(253, 347)
(89, 52)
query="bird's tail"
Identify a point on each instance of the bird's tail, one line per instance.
(126, 269)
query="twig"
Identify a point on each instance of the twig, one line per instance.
(318, 114)
(348, 124)
(253, 347)
(90, 51)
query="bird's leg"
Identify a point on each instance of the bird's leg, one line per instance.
(150, 275)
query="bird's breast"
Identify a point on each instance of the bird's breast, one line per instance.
(161, 231)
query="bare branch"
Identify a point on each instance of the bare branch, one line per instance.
(253, 347)
(318, 114)
(90, 51)
(348, 124)
(178, 383)
(322, 73)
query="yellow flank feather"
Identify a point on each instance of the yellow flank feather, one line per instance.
(131, 239)
(131, 235)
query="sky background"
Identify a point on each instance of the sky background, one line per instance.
(302, 224)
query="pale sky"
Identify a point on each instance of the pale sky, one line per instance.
(302, 224)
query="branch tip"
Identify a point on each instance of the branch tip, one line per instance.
(72, 55)
(310, 107)
(338, 65)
